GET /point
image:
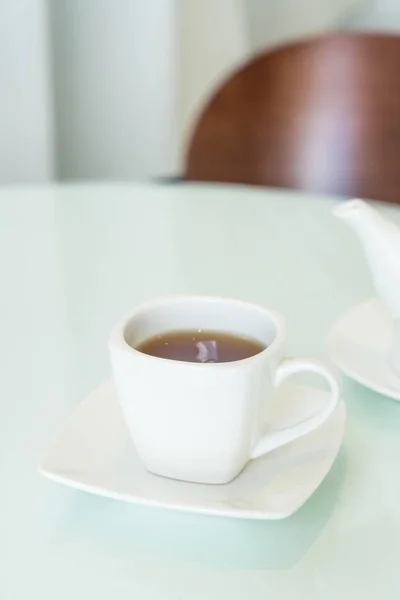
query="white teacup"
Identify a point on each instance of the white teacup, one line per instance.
(203, 422)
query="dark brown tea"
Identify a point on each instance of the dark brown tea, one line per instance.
(200, 346)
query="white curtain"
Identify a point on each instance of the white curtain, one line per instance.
(109, 89)
(26, 118)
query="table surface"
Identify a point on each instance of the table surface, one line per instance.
(72, 261)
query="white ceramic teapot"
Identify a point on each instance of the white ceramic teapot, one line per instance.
(381, 242)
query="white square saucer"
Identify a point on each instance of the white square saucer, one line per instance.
(359, 343)
(94, 452)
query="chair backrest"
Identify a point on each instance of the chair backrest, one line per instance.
(320, 115)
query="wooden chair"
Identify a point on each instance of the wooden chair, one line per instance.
(320, 115)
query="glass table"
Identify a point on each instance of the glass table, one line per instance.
(73, 259)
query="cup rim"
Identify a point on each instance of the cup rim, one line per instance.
(117, 338)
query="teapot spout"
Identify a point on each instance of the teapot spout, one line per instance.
(358, 214)
(381, 242)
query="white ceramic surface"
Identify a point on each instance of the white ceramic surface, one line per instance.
(94, 453)
(203, 422)
(72, 260)
(360, 342)
(380, 239)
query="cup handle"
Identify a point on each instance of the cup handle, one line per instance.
(287, 368)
